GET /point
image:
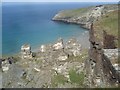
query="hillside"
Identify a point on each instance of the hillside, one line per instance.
(65, 64)
(104, 17)
(108, 23)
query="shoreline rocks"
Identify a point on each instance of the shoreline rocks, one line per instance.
(59, 44)
(48, 63)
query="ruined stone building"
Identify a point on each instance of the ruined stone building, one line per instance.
(99, 69)
(26, 51)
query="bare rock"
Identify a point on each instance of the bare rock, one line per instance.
(26, 51)
(73, 47)
(59, 44)
(43, 48)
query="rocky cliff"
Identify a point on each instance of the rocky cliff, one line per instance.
(84, 16)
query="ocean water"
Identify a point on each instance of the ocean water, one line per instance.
(31, 23)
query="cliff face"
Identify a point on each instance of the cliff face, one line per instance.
(84, 16)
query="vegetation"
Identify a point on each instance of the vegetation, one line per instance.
(75, 12)
(108, 23)
(81, 58)
(76, 77)
(58, 79)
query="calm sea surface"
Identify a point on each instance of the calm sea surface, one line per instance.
(31, 23)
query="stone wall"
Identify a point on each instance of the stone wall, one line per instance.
(108, 41)
(99, 70)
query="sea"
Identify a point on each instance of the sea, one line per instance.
(30, 23)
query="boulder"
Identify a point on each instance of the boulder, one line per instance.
(62, 58)
(43, 48)
(59, 45)
(26, 51)
(5, 65)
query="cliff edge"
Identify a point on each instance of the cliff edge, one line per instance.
(104, 17)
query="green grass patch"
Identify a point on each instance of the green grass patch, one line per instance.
(76, 77)
(109, 23)
(58, 79)
(75, 12)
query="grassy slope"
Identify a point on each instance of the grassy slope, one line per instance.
(109, 23)
(76, 77)
(75, 12)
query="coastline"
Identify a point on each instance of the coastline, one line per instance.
(69, 21)
(103, 17)
(84, 41)
(84, 16)
(62, 62)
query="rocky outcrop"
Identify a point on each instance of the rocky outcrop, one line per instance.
(5, 63)
(59, 44)
(26, 51)
(99, 69)
(51, 60)
(43, 48)
(84, 17)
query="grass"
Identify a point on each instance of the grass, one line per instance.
(76, 78)
(58, 79)
(109, 23)
(74, 12)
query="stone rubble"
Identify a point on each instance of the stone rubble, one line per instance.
(59, 44)
(26, 51)
(73, 47)
(50, 60)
